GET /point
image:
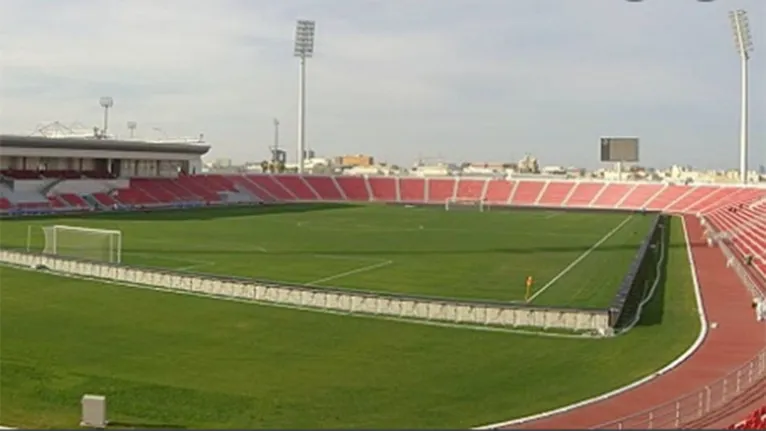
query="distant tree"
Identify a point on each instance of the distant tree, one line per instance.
(321, 169)
(264, 166)
(280, 166)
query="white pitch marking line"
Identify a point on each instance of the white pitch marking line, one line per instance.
(353, 271)
(344, 257)
(195, 263)
(196, 266)
(580, 258)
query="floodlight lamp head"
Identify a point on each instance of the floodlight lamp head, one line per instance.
(743, 39)
(106, 102)
(304, 39)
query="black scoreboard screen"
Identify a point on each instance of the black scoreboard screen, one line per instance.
(614, 150)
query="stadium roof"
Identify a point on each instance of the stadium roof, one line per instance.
(100, 144)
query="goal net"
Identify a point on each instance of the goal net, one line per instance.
(83, 243)
(460, 203)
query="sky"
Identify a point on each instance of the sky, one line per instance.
(401, 80)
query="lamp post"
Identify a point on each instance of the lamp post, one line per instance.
(744, 43)
(304, 48)
(276, 134)
(106, 102)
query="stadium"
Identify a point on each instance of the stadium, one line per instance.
(145, 287)
(467, 294)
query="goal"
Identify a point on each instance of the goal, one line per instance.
(83, 243)
(462, 203)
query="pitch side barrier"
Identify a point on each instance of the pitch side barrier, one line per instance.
(640, 273)
(494, 314)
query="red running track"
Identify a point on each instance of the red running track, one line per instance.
(737, 339)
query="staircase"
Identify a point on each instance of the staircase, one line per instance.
(93, 202)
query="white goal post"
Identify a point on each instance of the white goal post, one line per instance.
(453, 203)
(83, 243)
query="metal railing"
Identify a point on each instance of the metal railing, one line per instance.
(696, 405)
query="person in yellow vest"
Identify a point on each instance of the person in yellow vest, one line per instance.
(530, 282)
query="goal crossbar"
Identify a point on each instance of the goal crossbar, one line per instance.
(85, 229)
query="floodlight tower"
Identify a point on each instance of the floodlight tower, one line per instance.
(744, 43)
(106, 102)
(276, 134)
(304, 48)
(132, 127)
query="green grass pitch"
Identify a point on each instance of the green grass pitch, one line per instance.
(576, 259)
(169, 360)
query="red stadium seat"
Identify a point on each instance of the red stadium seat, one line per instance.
(611, 195)
(584, 194)
(754, 421)
(230, 183)
(527, 192)
(383, 189)
(297, 186)
(470, 189)
(555, 193)
(745, 227)
(412, 190)
(74, 200)
(499, 191)
(325, 187)
(354, 188)
(440, 189)
(105, 199)
(640, 196)
(272, 187)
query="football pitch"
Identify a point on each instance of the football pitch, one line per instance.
(168, 360)
(577, 259)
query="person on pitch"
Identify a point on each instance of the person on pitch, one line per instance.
(529, 283)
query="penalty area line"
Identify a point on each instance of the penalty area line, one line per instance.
(580, 258)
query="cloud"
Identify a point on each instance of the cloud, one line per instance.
(462, 79)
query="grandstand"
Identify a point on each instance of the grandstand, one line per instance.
(41, 176)
(36, 179)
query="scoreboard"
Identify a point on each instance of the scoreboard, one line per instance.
(619, 149)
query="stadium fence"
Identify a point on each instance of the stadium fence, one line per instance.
(697, 404)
